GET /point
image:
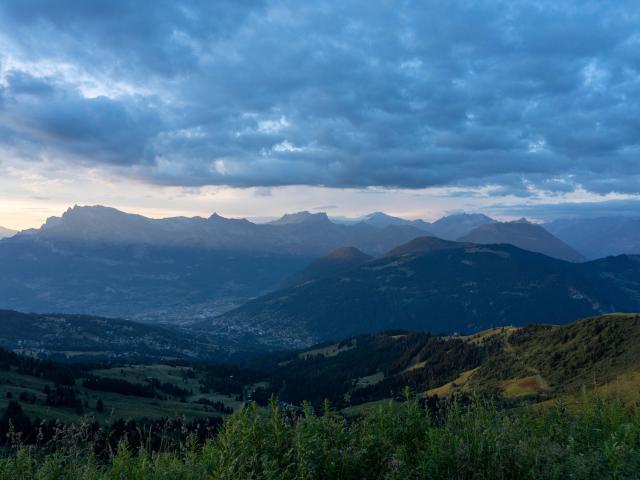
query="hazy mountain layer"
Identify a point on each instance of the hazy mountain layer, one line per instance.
(434, 285)
(453, 227)
(301, 233)
(100, 261)
(7, 232)
(381, 219)
(599, 237)
(524, 235)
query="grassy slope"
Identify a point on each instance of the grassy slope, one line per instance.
(116, 405)
(599, 352)
(536, 362)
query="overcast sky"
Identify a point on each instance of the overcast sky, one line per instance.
(253, 108)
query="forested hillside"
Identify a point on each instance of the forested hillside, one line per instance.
(433, 285)
(532, 363)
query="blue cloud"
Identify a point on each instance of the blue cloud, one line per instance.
(549, 211)
(51, 117)
(342, 94)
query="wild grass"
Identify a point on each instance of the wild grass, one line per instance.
(596, 439)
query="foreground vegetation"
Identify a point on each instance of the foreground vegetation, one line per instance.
(176, 420)
(593, 439)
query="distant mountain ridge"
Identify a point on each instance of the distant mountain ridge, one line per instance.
(301, 233)
(440, 286)
(381, 219)
(101, 261)
(599, 237)
(301, 217)
(455, 226)
(7, 232)
(97, 260)
(525, 235)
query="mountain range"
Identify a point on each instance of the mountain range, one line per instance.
(301, 233)
(97, 260)
(101, 261)
(430, 284)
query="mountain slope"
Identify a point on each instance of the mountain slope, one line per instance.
(368, 367)
(536, 361)
(7, 232)
(554, 360)
(524, 235)
(599, 237)
(452, 287)
(455, 226)
(422, 245)
(335, 263)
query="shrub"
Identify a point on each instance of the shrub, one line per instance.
(596, 439)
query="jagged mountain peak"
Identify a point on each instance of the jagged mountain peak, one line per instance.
(85, 210)
(216, 217)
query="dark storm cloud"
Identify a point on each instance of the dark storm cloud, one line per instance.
(50, 117)
(522, 95)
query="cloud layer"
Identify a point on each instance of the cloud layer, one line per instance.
(518, 95)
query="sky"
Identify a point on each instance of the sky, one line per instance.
(255, 108)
